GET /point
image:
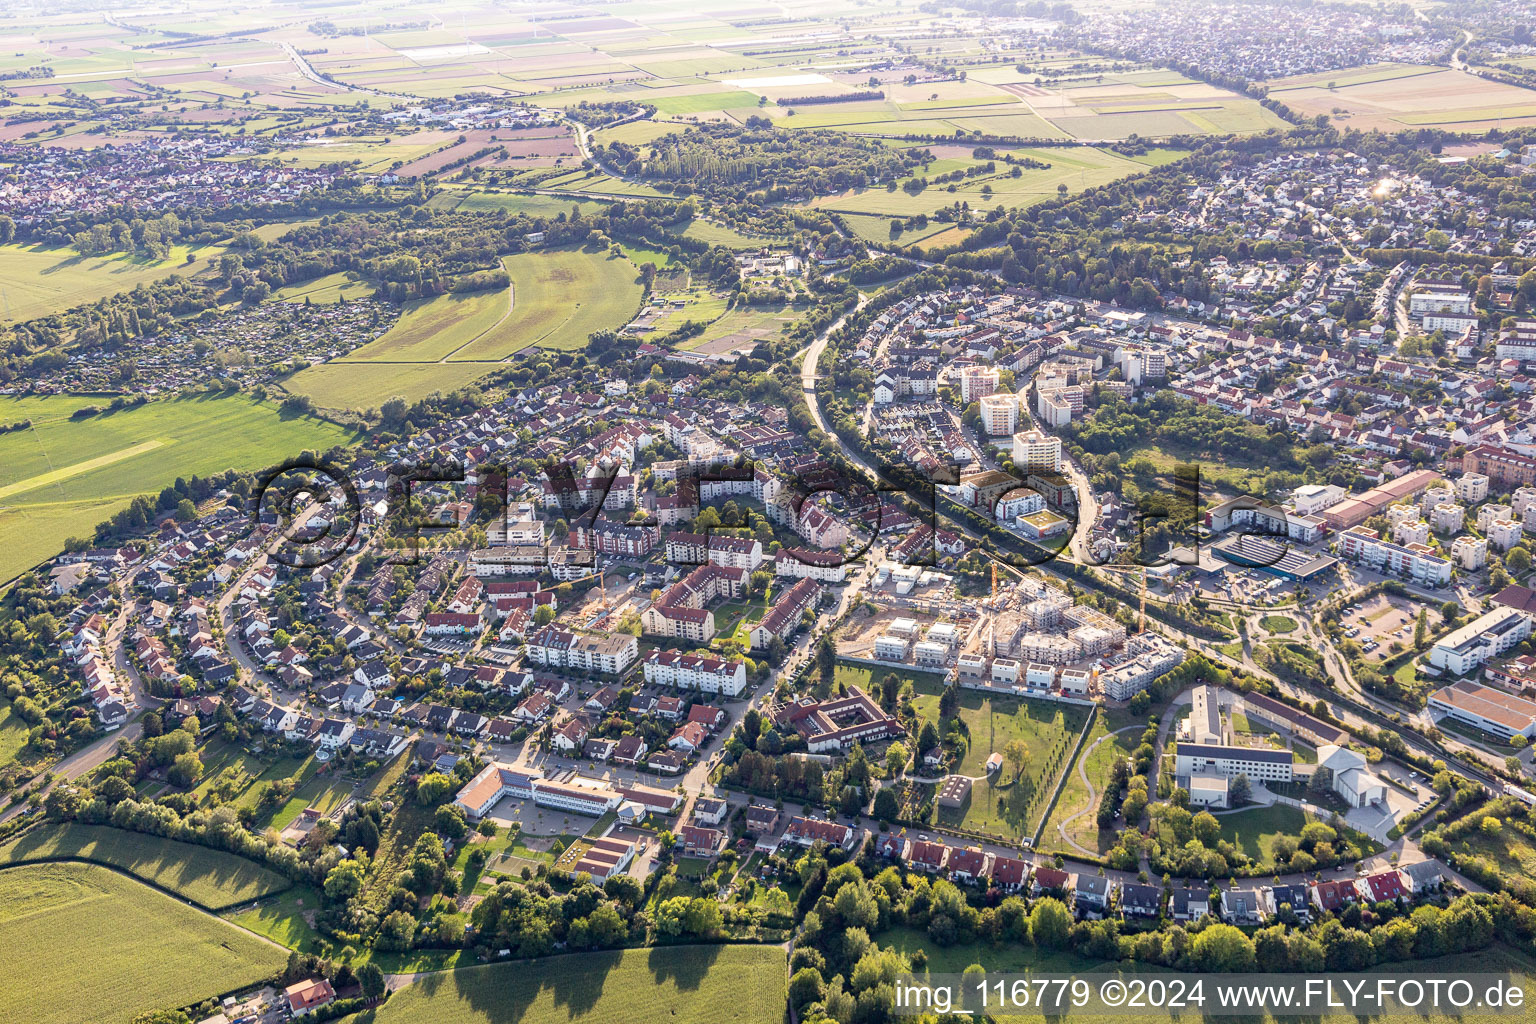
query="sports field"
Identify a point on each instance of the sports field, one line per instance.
(92, 947)
(63, 476)
(210, 878)
(678, 984)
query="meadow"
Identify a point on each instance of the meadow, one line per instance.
(431, 330)
(679, 984)
(209, 878)
(559, 297)
(156, 952)
(1076, 809)
(358, 386)
(64, 475)
(1002, 804)
(39, 280)
(327, 290)
(449, 341)
(1078, 168)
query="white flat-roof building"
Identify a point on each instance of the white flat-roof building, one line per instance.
(1472, 488)
(1485, 637)
(1036, 452)
(1502, 714)
(1260, 764)
(1000, 414)
(1310, 499)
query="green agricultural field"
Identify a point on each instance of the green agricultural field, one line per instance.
(678, 984)
(559, 297)
(63, 476)
(533, 206)
(38, 280)
(636, 133)
(720, 234)
(101, 948)
(431, 330)
(327, 290)
(699, 103)
(357, 386)
(210, 878)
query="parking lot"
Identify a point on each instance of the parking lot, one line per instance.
(1382, 621)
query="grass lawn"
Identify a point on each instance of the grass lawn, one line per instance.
(1278, 624)
(1074, 793)
(64, 476)
(1002, 805)
(534, 206)
(679, 984)
(1254, 831)
(101, 948)
(13, 735)
(211, 878)
(721, 234)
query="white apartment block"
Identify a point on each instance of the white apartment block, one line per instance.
(1036, 452)
(1470, 553)
(700, 672)
(1436, 495)
(1504, 533)
(1519, 341)
(1310, 499)
(1417, 562)
(1146, 657)
(1440, 300)
(1447, 517)
(1485, 637)
(976, 383)
(999, 415)
(611, 653)
(1488, 513)
(1472, 488)
(1411, 531)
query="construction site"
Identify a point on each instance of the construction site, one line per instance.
(1028, 637)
